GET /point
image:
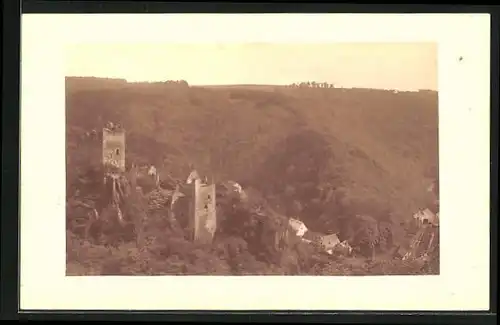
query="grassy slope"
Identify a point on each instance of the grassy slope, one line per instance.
(373, 147)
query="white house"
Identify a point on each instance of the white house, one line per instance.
(238, 189)
(152, 171)
(332, 243)
(298, 226)
(328, 242)
(426, 216)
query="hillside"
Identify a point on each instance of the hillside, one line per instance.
(321, 154)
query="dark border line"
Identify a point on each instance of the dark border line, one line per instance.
(10, 162)
(92, 6)
(494, 92)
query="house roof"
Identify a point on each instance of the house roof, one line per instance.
(192, 176)
(427, 214)
(311, 235)
(330, 240)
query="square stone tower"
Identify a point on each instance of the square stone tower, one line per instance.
(113, 149)
(203, 214)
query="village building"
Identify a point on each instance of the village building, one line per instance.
(328, 242)
(426, 216)
(298, 227)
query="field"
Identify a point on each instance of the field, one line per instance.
(372, 151)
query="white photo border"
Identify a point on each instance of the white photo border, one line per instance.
(464, 153)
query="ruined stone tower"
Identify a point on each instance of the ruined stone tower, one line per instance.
(202, 209)
(113, 149)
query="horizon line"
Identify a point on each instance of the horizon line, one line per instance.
(249, 84)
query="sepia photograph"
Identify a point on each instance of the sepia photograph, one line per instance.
(252, 158)
(219, 162)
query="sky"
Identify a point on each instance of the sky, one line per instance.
(402, 66)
